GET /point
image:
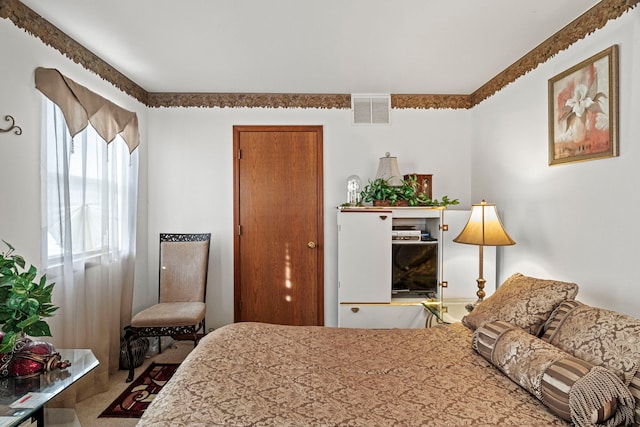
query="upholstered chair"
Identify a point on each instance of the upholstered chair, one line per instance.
(184, 260)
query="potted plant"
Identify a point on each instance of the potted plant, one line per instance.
(24, 301)
(408, 191)
(381, 193)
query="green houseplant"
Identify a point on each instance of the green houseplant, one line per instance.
(24, 302)
(408, 190)
(381, 193)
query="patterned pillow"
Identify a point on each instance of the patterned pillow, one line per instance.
(524, 301)
(557, 317)
(599, 336)
(571, 388)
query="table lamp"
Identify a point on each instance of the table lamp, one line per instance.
(388, 170)
(483, 228)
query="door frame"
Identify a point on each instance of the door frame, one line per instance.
(318, 129)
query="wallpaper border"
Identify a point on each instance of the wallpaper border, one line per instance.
(34, 24)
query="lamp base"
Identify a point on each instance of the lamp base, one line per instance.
(472, 305)
(480, 293)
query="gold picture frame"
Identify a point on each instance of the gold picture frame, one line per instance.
(583, 110)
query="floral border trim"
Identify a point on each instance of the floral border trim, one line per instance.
(593, 19)
(430, 101)
(587, 23)
(34, 24)
(251, 100)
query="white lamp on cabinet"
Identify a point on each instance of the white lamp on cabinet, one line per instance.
(388, 170)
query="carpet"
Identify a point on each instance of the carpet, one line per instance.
(137, 397)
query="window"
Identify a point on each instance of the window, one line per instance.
(87, 190)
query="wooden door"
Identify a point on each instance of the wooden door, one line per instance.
(278, 213)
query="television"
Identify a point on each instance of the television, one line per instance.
(415, 269)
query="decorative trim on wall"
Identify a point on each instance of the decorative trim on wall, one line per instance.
(579, 28)
(430, 101)
(12, 126)
(49, 34)
(587, 23)
(256, 100)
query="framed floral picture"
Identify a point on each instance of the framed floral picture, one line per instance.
(583, 110)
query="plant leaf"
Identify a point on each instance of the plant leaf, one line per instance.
(38, 329)
(30, 306)
(8, 341)
(31, 320)
(19, 260)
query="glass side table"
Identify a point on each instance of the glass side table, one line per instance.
(449, 310)
(23, 399)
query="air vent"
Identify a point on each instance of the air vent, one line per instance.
(371, 109)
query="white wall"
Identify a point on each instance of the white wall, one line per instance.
(188, 184)
(191, 176)
(20, 210)
(575, 222)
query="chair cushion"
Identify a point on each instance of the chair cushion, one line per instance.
(170, 314)
(183, 270)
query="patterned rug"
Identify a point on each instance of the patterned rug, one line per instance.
(136, 398)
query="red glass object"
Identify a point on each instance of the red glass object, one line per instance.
(32, 358)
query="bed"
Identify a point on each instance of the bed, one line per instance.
(249, 374)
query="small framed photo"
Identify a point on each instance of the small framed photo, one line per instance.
(583, 110)
(423, 183)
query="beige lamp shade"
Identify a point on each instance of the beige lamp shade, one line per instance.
(484, 228)
(388, 169)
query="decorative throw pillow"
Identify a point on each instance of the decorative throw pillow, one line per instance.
(571, 388)
(557, 317)
(524, 301)
(602, 337)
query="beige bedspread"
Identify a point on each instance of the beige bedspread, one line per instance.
(269, 375)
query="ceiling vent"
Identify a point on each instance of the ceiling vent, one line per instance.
(371, 109)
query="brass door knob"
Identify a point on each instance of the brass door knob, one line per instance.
(311, 245)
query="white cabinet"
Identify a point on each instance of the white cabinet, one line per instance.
(365, 271)
(383, 316)
(382, 281)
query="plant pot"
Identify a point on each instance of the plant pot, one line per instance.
(389, 203)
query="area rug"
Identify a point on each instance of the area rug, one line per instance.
(136, 398)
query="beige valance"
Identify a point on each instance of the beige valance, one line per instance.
(81, 106)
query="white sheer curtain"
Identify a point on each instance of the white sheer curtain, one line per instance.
(89, 241)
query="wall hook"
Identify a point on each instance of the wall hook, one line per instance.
(12, 126)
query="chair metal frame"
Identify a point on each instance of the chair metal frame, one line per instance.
(131, 333)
